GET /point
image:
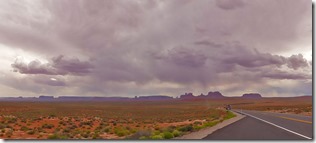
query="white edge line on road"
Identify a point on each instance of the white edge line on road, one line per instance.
(277, 126)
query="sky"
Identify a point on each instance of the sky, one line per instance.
(155, 47)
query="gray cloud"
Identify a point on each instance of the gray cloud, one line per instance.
(194, 45)
(255, 59)
(297, 61)
(57, 66)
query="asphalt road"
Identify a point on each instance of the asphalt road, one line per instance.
(259, 125)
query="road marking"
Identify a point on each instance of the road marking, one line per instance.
(277, 126)
(303, 121)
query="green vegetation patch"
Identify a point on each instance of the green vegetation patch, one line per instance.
(229, 115)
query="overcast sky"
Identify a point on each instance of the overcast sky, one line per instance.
(155, 47)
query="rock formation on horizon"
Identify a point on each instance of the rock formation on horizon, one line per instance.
(187, 96)
(252, 95)
(215, 94)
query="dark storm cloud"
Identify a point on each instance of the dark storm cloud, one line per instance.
(134, 44)
(255, 59)
(297, 61)
(57, 66)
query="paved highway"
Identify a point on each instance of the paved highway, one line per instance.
(259, 125)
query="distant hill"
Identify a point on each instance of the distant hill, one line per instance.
(252, 95)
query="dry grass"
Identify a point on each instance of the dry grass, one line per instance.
(107, 120)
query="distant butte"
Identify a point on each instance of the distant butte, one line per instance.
(252, 95)
(187, 96)
(213, 95)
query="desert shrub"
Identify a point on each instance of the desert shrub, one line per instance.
(306, 110)
(88, 123)
(57, 129)
(85, 135)
(187, 128)
(96, 136)
(2, 126)
(176, 133)
(143, 134)
(62, 123)
(157, 128)
(121, 132)
(57, 136)
(196, 127)
(98, 128)
(157, 137)
(47, 126)
(11, 120)
(8, 126)
(73, 127)
(155, 132)
(106, 130)
(24, 128)
(142, 137)
(210, 124)
(9, 133)
(52, 115)
(214, 115)
(197, 123)
(229, 115)
(36, 119)
(66, 130)
(171, 128)
(31, 132)
(167, 135)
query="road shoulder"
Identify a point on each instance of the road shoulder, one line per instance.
(204, 132)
